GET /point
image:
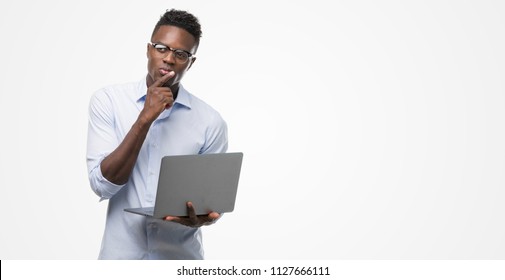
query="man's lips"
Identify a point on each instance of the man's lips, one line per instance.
(164, 71)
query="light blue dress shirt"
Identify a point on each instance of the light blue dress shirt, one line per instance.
(190, 126)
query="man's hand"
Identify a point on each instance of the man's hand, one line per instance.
(159, 98)
(193, 220)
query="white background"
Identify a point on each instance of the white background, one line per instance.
(370, 129)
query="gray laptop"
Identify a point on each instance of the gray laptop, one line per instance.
(209, 181)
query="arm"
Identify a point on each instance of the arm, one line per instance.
(118, 165)
(110, 160)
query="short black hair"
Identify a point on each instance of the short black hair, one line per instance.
(181, 19)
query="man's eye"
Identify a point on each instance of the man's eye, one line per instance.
(161, 49)
(181, 54)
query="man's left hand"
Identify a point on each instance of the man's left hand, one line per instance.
(194, 220)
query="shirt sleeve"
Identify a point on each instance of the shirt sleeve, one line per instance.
(102, 140)
(216, 136)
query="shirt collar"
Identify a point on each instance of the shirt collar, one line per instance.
(183, 97)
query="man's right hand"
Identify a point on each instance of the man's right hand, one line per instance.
(158, 98)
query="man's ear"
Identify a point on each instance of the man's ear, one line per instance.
(191, 62)
(147, 50)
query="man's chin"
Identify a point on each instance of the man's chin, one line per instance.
(168, 83)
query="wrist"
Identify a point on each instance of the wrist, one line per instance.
(142, 124)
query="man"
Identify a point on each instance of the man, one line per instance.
(132, 126)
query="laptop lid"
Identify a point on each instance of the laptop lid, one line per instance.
(209, 181)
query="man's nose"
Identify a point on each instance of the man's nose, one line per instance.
(169, 58)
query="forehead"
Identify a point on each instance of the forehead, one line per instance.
(175, 37)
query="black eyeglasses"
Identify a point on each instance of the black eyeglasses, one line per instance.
(181, 56)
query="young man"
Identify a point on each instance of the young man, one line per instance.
(132, 126)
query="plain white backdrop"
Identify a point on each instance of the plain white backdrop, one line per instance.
(370, 129)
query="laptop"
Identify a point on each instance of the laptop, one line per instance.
(209, 181)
